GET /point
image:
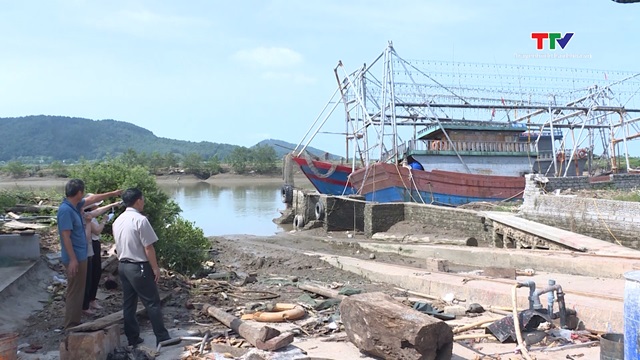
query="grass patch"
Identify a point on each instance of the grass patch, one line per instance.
(632, 196)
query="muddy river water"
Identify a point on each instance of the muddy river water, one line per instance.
(229, 209)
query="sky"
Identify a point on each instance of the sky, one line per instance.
(241, 71)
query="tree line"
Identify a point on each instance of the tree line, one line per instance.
(260, 159)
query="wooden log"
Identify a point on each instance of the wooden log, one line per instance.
(472, 326)
(20, 208)
(383, 327)
(110, 319)
(22, 226)
(263, 337)
(415, 293)
(110, 260)
(472, 336)
(328, 293)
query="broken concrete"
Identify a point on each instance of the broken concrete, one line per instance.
(564, 262)
(437, 265)
(598, 301)
(90, 345)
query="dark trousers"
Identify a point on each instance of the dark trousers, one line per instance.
(96, 270)
(138, 282)
(88, 283)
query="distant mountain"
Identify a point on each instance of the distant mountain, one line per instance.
(69, 138)
(283, 147)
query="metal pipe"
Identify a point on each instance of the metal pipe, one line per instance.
(562, 309)
(532, 288)
(536, 295)
(550, 298)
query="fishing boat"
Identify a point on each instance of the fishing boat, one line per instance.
(474, 133)
(327, 177)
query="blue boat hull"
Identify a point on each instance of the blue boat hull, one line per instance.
(399, 194)
(336, 183)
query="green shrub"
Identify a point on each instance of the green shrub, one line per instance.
(161, 211)
(7, 199)
(16, 169)
(183, 247)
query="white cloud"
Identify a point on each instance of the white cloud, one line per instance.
(270, 57)
(143, 22)
(297, 78)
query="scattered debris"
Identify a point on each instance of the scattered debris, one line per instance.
(263, 338)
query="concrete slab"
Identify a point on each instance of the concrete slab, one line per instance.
(22, 291)
(598, 302)
(20, 246)
(565, 262)
(9, 274)
(562, 237)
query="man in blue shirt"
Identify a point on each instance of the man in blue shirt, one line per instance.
(74, 245)
(413, 163)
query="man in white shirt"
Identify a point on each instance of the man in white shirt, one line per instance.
(138, 269)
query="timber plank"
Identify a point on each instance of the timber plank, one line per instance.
(110, 319)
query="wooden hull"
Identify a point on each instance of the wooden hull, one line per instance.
(390, 183)
(327, 178)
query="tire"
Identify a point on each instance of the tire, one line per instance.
(319, 210)
(298, 222)
(287, 194)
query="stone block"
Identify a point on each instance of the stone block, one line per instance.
(437, 265)
(95, 345)
(456, 310)
(20, 246)
(502, 273)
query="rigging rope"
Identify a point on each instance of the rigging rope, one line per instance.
(315, 171)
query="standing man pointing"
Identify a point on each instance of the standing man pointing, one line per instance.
(139, 271)
(74, 245)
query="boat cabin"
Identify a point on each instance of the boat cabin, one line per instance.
(490, 148)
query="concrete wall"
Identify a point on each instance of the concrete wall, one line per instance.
(381, 217)
(613, 181)
(304, 203)
(20, 246)
(343, 214)
(597, 218)
(466, 221)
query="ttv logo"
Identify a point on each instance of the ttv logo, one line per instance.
(553, 37)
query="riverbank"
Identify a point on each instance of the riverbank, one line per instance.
(226, 179)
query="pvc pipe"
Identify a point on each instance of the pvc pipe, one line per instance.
(532, 288)
(550, 298)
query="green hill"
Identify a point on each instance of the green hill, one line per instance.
(68, 138)
(283, 147)
(32, 138)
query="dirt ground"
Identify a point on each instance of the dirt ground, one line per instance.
(278, 262)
